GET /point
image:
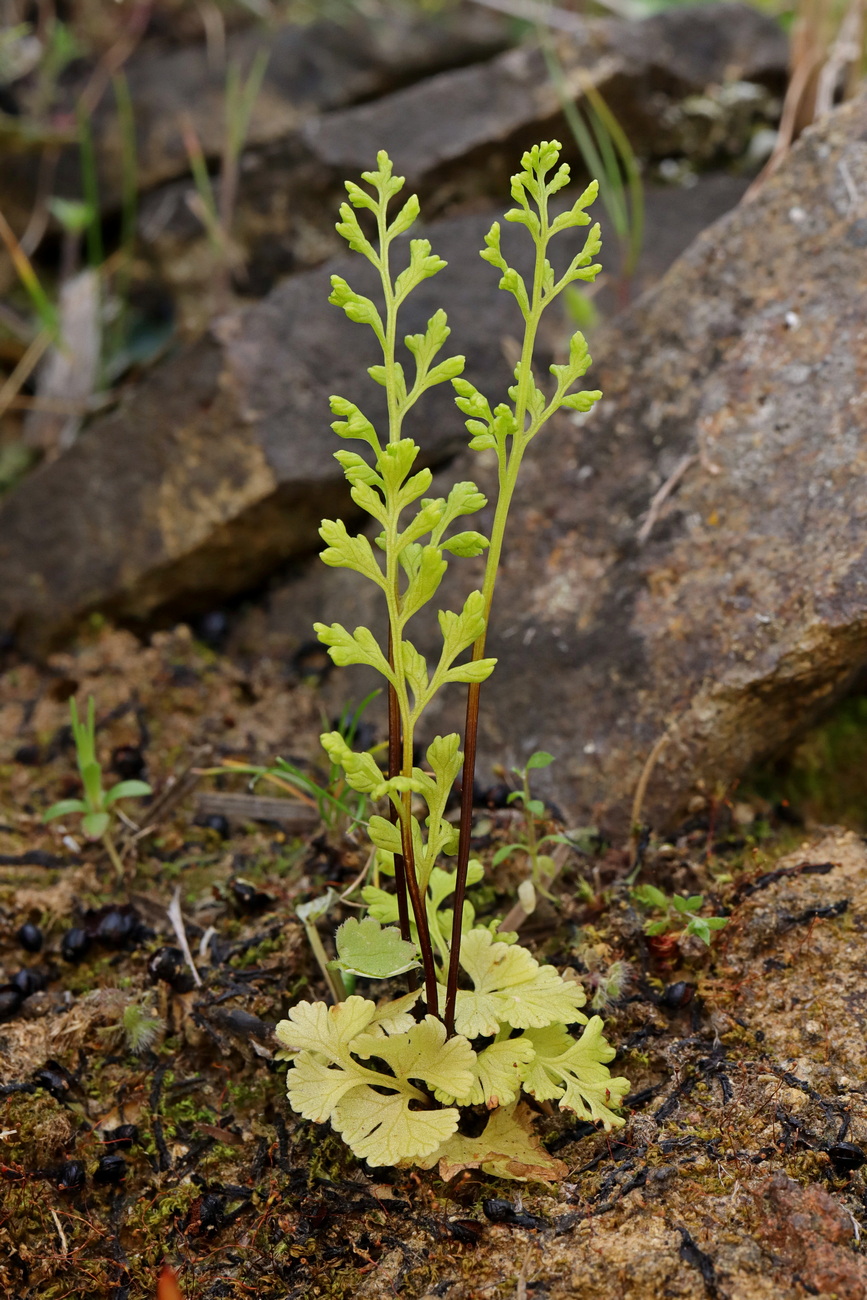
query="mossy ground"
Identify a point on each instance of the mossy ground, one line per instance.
(747, 1062)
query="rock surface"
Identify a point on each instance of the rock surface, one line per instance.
(218, 466)
(312, 69)
(690, 562)
(456, 134)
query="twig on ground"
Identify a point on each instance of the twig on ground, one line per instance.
(177, 920)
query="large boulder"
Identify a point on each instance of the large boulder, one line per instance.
(690, 561)
(217, 468)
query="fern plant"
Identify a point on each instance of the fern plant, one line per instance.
(390, 1079)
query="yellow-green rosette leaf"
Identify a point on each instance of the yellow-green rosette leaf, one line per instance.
(499, 1072)
(329, 1030)
(511, 988)
(365, 948)
(424, 1054)
(507, 1148)
(395, 1017)
(380, 1128)
(575, 1072)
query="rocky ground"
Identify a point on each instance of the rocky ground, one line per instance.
(739, 1173)
(658, 586)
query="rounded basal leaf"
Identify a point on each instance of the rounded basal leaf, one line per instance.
(511, 988)
(383, 1130)
(365, 948)
(576, 1072)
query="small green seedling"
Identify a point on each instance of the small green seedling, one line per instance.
(97, 805)
(541, 865)
(680, 915)
(392, 1076)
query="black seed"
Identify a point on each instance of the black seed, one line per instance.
(128, 762)
(71, 1177)
(29, 980)
(74, 944)
(10, 1001)
(167, 964)
(215, 822)
(675, 996)
(121, 1138)
(496, 796)
(498, 1211)
(846, 1157)
(118, 926)
(211, 1212)
(28, 755)
(52, 1081)
(30, 937)
(248, 898)
(110, 1169)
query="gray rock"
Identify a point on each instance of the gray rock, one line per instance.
(218, 467)
(482, 114)
(690, 561)
(311, 69)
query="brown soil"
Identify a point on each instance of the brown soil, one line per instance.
(737, 1174)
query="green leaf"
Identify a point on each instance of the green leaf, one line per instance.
(357, 470)
(358, 647)
(716, 922)
(64, 808)
(541, 758)
(384, 834)
(466, 544)
(422, 265)
(415, 669)
(358, 308)
(349, 229)
(506, 851)
(354, 423)
(382, 179)
(423, 585)
(576, 1073)
(582, 401)
(345, 552)
(478, 670)
(365, 948)
(405, 218)
(95, 824)
(460, 631)
(655, 927)
(128, 790)
(511, 988)
(650, 896)
(700, 929)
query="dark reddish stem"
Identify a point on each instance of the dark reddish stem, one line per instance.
(466, 827)
(419, 911)
(395, 753)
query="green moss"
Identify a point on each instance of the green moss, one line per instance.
(825, 777)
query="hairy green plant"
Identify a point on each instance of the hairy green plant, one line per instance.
(391, 1082)
(97, 806)
(680, 915)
